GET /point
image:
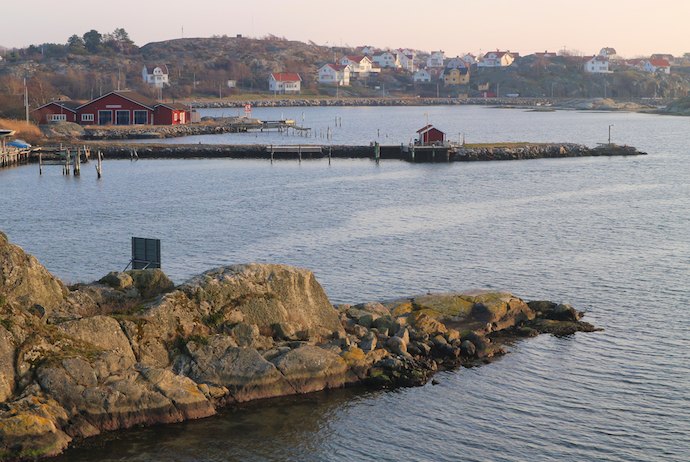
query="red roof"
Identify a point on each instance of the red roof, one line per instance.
(659, 62)
(428, 128)
(286, 77)
(356, 59)
(336, 67)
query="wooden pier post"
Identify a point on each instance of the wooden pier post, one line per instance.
(433, 154)
(330, 153)
(99, 165)
(377, 151)
(412, 152)
(271, 154)
(65, 169)
(40, 163)
(299, 153)
(77, 162)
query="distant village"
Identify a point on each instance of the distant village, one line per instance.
(436, 67)
(63, 75)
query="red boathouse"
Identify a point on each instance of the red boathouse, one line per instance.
(429, 135)
(56, 111)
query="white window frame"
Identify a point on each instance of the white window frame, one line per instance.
(87, 117)
(57, 117)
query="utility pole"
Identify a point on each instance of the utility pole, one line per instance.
(26, 101)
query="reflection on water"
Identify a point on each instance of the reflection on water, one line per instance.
(609, 235)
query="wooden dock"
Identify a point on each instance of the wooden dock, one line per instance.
(10, 156)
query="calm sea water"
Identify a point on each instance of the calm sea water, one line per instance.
(609, 235)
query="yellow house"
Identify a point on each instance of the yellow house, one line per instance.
(456, 77)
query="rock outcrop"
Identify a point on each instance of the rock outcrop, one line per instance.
(132, 349)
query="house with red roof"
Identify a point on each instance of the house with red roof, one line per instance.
(56, 111)
(115, 108)
(430, 136)
(285, 82)
(334, 74)
(656, 65)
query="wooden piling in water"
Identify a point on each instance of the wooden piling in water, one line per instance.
(99, 165)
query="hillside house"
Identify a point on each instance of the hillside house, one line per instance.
(469, 59)
(456, 63)
(406, 60)
(156, 75)
(453, 77)
(435, 59)
(334, 74)
(285, 82)
(360, 65)
(668, 57)
(656, 65)
(422, 76)
(387, 60)
(597, 64)
(497, 59)
(56, 111)
(608, 52)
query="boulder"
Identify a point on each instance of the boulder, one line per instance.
(30, 427)
(266, 295)
(368, 342)
(118, 281)
(243, 371)
(151, 282)
(7, 355)
(311, 368)
(397, 346)
(246, 335)
(24, 282)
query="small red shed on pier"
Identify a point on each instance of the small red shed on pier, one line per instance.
(429, 135)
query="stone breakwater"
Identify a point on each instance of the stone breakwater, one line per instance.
(133, 349)
(469, 153)
(327, 102)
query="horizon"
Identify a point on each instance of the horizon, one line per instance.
(526, 30)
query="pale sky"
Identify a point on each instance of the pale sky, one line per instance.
(632, 27)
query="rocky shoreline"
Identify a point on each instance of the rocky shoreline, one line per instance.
(133, 349)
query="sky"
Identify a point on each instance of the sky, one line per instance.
(633, 27)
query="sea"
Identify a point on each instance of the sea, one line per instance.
(609, 235)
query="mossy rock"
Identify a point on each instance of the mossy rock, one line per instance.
(151, 282)
(447, 305)
(353, 356)
(401, 309)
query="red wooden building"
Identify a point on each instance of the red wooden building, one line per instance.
(56, 111)
(171, 114)
(115, 108)
(429, 135)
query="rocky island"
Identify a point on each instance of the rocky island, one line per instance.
(134, 349)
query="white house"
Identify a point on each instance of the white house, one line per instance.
(406, 60)
(422, 76)
(456, 63)
(334, 74)
(387, 59)
(156, 75)
(497, 59)
(368, 50)
(597, 64)
(360, 66)
(469, 59)
(284, 82)
(656, 65)
(436, 59)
